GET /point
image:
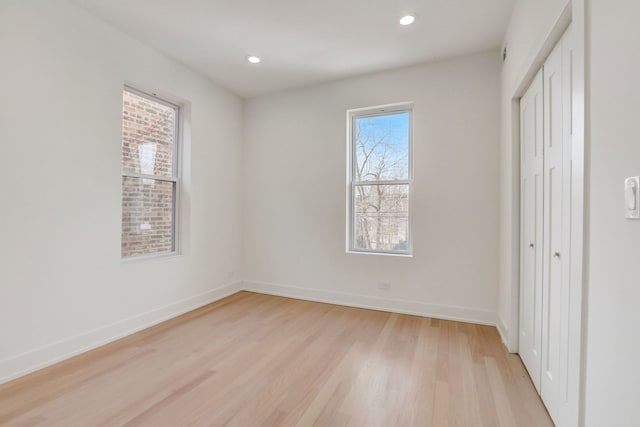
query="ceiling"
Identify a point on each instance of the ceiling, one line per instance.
(302, 42)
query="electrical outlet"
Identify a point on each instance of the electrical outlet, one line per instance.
(384, 286)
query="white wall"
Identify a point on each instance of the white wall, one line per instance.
(63, 286)
(613, 339)
(295, 190)
(529, 27)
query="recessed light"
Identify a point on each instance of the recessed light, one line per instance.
(407, 20)
(253, 59)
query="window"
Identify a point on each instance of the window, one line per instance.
(380, 179)
(149, 174)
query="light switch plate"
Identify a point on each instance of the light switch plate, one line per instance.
(632, 197)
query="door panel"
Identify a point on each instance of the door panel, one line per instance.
(532, 129)
(557, 217)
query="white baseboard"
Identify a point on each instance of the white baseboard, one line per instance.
(438, 311)
(34, 360)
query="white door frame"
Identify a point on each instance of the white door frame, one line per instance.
(573, 14)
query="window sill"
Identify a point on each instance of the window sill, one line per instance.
(391, 254)
(153, 257)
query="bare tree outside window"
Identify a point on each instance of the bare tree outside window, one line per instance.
(380, 178)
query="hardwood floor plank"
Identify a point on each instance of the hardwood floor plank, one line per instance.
(258, 360)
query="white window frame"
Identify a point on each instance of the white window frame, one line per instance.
(175, 173)
(352, 116)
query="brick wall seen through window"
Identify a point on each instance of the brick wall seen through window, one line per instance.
(149, 175)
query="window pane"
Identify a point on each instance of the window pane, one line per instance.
(147, 216)
(382, 147)
(148, 133)
(381, 217)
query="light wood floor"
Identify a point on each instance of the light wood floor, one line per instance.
(256, 360)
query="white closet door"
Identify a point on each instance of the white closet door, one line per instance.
(547, 336)
(531, 191)
(557, 215)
